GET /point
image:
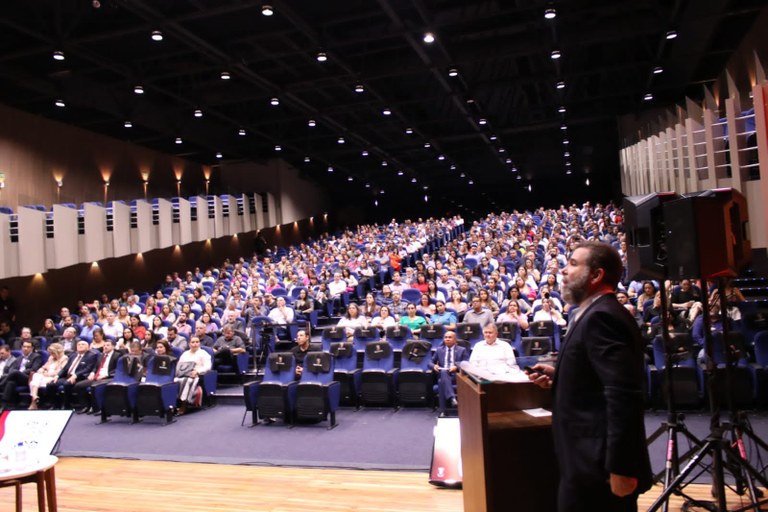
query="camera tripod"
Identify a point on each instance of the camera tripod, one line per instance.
(730, 454)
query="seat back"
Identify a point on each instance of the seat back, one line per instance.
(509, 331)
(736, 347)
(363, 335)
(345, 355)
(471, 332)
(416, 355)
(535, 346)
(433, 333)
(318, 368)
(160, 370)
(681, 350)
(379, 356)
(411, 295)
(280, 368)
(397, 335)
(761, 348)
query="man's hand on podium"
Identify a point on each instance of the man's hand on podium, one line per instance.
(541, 375)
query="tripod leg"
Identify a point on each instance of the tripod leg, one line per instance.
(677, 483)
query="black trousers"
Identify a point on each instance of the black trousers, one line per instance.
(592, 498)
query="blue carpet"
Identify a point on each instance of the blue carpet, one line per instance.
(365, 439)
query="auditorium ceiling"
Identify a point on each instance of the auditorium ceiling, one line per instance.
(470, 120)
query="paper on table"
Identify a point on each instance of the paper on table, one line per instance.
(538, 412)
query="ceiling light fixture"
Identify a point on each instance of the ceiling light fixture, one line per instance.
(364, 152)
(178, 140)
(307, 159)
(341, 140)
(399, 173)
(555, 54)
(278, 147)
(658, 70)
(671, 34)
(563, 127)
(493, 137)
(219, 155)
(198, 113)
(60, 103)
(470, 182)
(58, 55)
(138, 89)
(508, 161)
(384, 163)
(409, 131)
(429, 37)
(427, 145)
(648, 96)
(452, 167)
(502, 150)
(413, 180)
(550, 13)
(561, 110)
(241, 132)
(275, 101)
(482, 121)
(128, 124)
(567, 154)
(267, 10)
(441, 157)
(386, 111)
(453, 72)
(587, 181)
(225, 75)
(350, 178)
(566, 141)
(367, 185)
(311, 123)
(359, 88)
(157, 35)
(330, 168)
(560, 85)
(322, 56)
(568, 171)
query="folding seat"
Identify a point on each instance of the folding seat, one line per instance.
(511, 332)
(157, 395)
(332, 334)
(275, 395)
(742, 376)
(535, 346)
(687, 379)
(362, 335)
(433, 333)
(470, 332)
(379, 378)
(414, 384)
(411, 295)
(397, 335)
(546, 328)
(209, 382)
(118, 398)
(318, 394)
(346, 372)
(760, 341)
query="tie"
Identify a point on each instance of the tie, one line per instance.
(449, 358)
(74, 365)
(104, 361)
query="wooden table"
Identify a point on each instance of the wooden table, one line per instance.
(40, 472)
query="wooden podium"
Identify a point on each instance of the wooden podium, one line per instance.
(508, 457)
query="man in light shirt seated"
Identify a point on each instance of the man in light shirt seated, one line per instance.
(492, 354)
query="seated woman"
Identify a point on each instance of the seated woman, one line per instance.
(97, 342)
(384, 319)
(385, 297)
(191, 365)
(49, 329)
(352, 319)
(413, 321)
(547, 312)
(124, 343)
(369, 307)
(303, 305)
(487, 302)
(424, 306)
(48, 373)
(512, 314)
(137, 327)
(457, 304)
(158, 328)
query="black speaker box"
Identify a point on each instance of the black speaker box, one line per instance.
(644, 224)
(707, 234)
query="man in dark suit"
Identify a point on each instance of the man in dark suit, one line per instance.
(597, 417)
(102, 374)
(79, 366)
(6, 361)
(18, 374)
(445, 364)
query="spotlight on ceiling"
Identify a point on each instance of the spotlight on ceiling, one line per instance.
(225, 75)
(178, 140)
(311, 123)
(399, 173)
(330, 168)
(560, 85)
(157, 35)
(427, 145)
(198, 113)
(341, 140)
(384, 163)
(493, 137)
(648, 96)
(441, 157)
(58, 55)
(307, 159)
(550, 13)
(60, 103)
(278, 147)
(561, 110)
(409, 131)
(555, 54)
(138, 89)
(364, 152)
(322, 56)
(359, 88)
(219, 155)
(482, 121)
(658, 70)
(274, 101)
(386, 111)
(429, 37)
(241, 132)
(267, 10)
(566, 141)
(563, 127)
(350, 178)
(128, 124)
(453, 72)
(671, 34)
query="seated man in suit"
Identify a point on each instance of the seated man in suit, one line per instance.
(445, 363)
(6, 361)
(78, 368)
(18, 374)
(101, 374)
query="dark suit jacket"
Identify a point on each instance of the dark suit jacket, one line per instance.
(112, 363)
(34, 362)
(598, 398)
(459, 354)
(86, 365)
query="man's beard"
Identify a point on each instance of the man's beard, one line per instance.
(575, 290)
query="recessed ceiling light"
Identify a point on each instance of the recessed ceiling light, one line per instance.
(138, 89)
(567, 154)
(274, 101)
(452, 167)
(157, 35)
(550, 13)
(566, 141)
(219, 155)
(671, 34)
(508, 161)
(322, 56)
(502, 150)
(519, 177)
(178, 140)
(307, 159)
(350, 178)
(453, 72)
(311, 123)
(386, 111)
(225, 75)
(568, 171)
(658, 70)
(128, 124)
(427, 145)
(563, 127)
(198, 113)
(367, 185)
(409, 131)
(384, 163)
(648, 97)
(278, 147)
(359, 88)
(364, 152)
(560, 85)
(413, 180)
(241, 132)
(60, 103)
(267, 10)
(561, 110)
(429, 37)
(555, 54)
(462, 175)
(586, 182)
(567, 164)
(493, 137)
(330, 168)
(441, 157)
(58, 55)
(341, 140)
(399, 173)
(482, 121)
